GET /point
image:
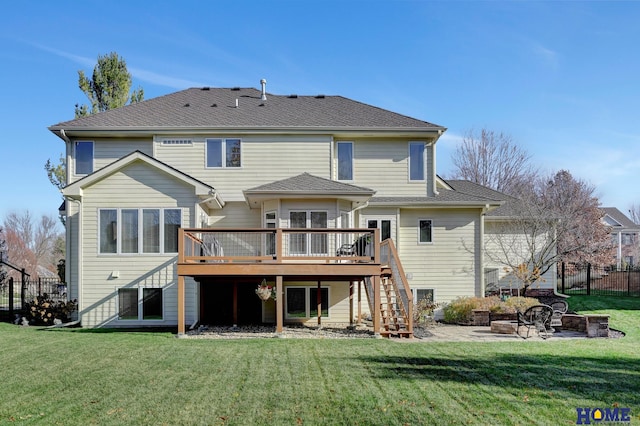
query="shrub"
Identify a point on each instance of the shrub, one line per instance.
(423, 312)
(43, 311)
(520, 303)
(460, 311)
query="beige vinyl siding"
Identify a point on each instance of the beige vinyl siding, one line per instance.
(264, 159)
(235, 215)
(106, 151)
(451, 263)
(338, 304)
(383, 165)
(135, 186)
(495, 259)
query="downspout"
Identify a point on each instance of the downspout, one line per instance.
(482, 283)
(79, 257)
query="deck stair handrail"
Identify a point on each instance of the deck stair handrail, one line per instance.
(397, 315)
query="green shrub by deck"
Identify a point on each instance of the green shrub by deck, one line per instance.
(460, 310)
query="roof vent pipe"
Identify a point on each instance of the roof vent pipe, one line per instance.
(263, 83)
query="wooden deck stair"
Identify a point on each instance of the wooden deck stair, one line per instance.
(396, 301)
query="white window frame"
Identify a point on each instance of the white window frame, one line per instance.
(140, 304)
(140, 216)
(223, 153)
(307, 298)
(425, 220)
(338, 161)
(308, 244)
(423, 160)
(414, 292)
(75, 157)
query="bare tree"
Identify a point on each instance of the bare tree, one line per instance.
(32, 244)
(3, 256)
(492, 159)
(558, 220)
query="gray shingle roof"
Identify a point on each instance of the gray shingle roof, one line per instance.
(619, 217)
(215, 108)
(463, 193)
(310, 184)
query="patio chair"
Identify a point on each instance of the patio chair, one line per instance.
(535, 317)
(560, 308)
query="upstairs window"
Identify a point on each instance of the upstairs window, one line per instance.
(345, 160)
(416, 161)
(223, 153)
(84, 158)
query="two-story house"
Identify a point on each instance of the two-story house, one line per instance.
(624, 235)
(178, 207)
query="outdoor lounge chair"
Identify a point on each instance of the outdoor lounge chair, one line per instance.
(560, 308)
(535, 317)
(358, 248)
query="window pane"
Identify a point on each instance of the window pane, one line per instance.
(129, 231)
(319, 241)
(385, 231)
(128, 303)
(233, 152)
(214, 152)
(108, 231)
(298, 242)
(313, 302)
(425, 231)
(151, 231)
(84, 158)
(296, 304)
(416, 161)
(424, 293)
(152, 303)
(172, 221)
(345, 161)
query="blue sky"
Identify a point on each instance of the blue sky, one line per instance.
(560, 77)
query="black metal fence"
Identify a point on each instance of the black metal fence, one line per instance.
(14, 294)
(597, 280)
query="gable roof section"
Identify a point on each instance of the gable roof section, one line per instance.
(215, 108)
(75, 190)
(307, 186)
(618, 220)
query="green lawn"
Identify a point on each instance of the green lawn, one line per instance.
(84, 377)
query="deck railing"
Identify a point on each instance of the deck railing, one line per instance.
(241, 245)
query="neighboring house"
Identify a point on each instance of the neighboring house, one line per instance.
(624, 235)
(179, 206)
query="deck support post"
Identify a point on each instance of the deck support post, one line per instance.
(359, 319)
(351, 302)
(181, 325)
(279, 304)
(376, 305)
(235, 303)
(319, 304)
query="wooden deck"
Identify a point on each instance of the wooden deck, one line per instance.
(309, 254)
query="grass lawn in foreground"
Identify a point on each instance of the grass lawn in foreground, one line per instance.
(81, 377)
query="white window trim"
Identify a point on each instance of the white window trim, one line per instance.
(307, 295)
(353, 170)
(418, 230)
(75, 158)
(424, 162)
(223, 148)
(414, 292)
(140, 306)
(140, 210)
